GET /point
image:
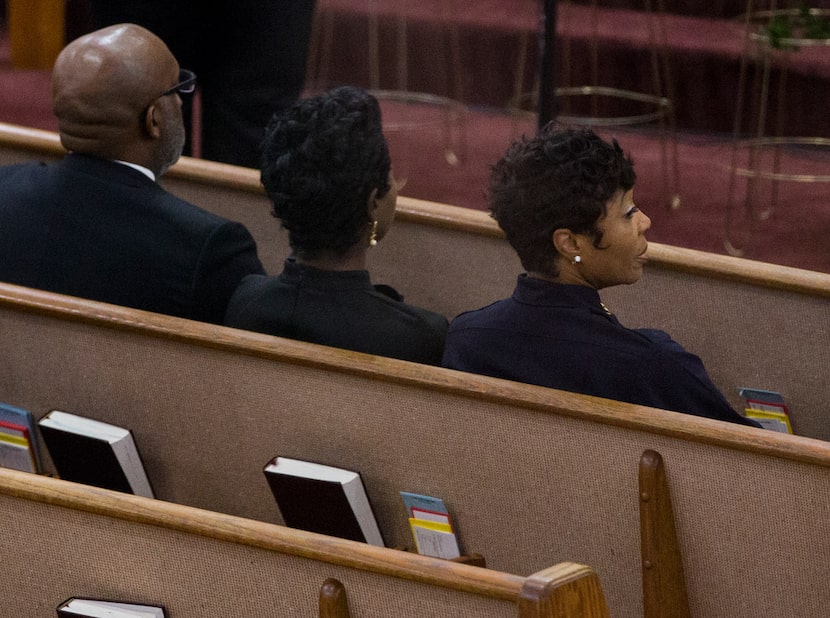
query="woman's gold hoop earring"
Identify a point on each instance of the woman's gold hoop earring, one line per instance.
(373, 236)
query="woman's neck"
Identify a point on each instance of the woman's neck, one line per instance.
(566, 276)
(353, 259)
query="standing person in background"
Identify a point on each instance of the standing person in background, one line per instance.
(565, 201)
(97, 224)
(327, 170)
(250, 56)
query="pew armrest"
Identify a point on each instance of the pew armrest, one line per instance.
(664, 584)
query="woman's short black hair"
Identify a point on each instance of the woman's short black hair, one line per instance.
(561, 178)
(321, 160)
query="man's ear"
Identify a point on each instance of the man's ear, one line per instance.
(567, 243)
(150, 125)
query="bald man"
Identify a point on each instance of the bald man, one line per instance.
(97, 224)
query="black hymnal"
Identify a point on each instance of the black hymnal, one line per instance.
(95, 453)
(322, 499)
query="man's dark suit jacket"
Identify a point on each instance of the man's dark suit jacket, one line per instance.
(101, 230)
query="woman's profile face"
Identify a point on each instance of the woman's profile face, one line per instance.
(621, 255)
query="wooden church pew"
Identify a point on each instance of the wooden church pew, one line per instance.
(69, 540)
(533, 476)
(754, 324)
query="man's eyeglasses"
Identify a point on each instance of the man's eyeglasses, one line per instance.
(186, 85)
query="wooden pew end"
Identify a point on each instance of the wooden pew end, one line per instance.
(565, 589)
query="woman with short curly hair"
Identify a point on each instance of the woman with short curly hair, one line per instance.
(565, 201)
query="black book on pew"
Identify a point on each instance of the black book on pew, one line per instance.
(96, 608)
(95, 453)
(323, 499)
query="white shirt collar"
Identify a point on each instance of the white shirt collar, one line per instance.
(140, 168)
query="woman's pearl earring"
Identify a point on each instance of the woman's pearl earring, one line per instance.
(373, 236)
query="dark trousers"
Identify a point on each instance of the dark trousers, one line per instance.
(249, 57)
